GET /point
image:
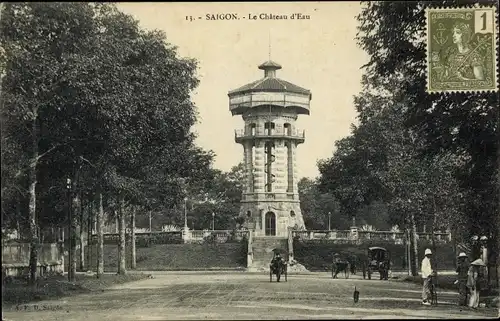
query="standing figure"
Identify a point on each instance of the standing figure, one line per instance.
(427, 273)
(473, 282)
(462, 270)
(484, 256)
(276, 259)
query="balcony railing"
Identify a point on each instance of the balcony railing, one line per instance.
(266, 195)
(296, 134)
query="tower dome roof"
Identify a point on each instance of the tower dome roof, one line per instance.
(270, 83)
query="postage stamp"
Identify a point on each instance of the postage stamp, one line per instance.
(461, 49)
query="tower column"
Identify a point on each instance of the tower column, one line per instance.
(290, 163)
(280, 184)
(294, 169)
(248, 159)
(258, 168)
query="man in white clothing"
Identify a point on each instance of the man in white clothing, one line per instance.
(427, 272)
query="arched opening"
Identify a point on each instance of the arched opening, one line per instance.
(253, 129)
(292, 213)
(269, 128)
(270, 224)
(249, 213)
(288, 129)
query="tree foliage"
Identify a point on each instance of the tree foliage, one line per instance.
(88, 95)
(427, 157)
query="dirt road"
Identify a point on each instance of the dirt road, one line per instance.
(240, 295)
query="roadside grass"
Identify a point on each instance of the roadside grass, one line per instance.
(53, 287)
(178, 257)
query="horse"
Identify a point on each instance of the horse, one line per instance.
(340, 265)
(278, 267)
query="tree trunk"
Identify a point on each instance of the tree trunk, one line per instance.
(414, 252)
(454, 243)
(433, 237)
(132, 239)
(90, 211)
(73, 221)
(82, 234)
(121, 243)
(34, 242)
(18, 216)
(496, 235)
(100, 238)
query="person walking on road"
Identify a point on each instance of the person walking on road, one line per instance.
(473, 282)
(427, 273)
(462, 270)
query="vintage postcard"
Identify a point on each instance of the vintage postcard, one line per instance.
(249, 160)
(461, 49)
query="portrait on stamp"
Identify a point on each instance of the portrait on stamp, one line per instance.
(461, 50)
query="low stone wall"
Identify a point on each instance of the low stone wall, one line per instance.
(316, 255)
(357, 236)
(177, 237)
(15, 258)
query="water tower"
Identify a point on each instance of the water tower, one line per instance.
(270, 107)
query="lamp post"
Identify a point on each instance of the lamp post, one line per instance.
(213, 221)
(329, 215)
(70, 230)
(185, 213)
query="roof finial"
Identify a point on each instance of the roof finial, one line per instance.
(269, 44)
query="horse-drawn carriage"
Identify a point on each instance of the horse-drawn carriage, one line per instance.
(379, 260)
(278, 266)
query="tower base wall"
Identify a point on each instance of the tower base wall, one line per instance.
(260, 214)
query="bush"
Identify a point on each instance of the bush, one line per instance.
(315, 254)
(148, 239)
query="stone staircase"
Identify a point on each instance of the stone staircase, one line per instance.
(262, 249)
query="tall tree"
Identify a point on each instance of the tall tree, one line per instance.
(461, 124)
(39, 41)
(104, 104)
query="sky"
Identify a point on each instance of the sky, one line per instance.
(319, 53)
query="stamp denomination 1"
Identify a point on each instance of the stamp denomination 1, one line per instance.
(461, 50)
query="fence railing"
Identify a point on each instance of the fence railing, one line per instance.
(358, 235)
(176, 237)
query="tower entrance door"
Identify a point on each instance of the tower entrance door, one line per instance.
(270, 224)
